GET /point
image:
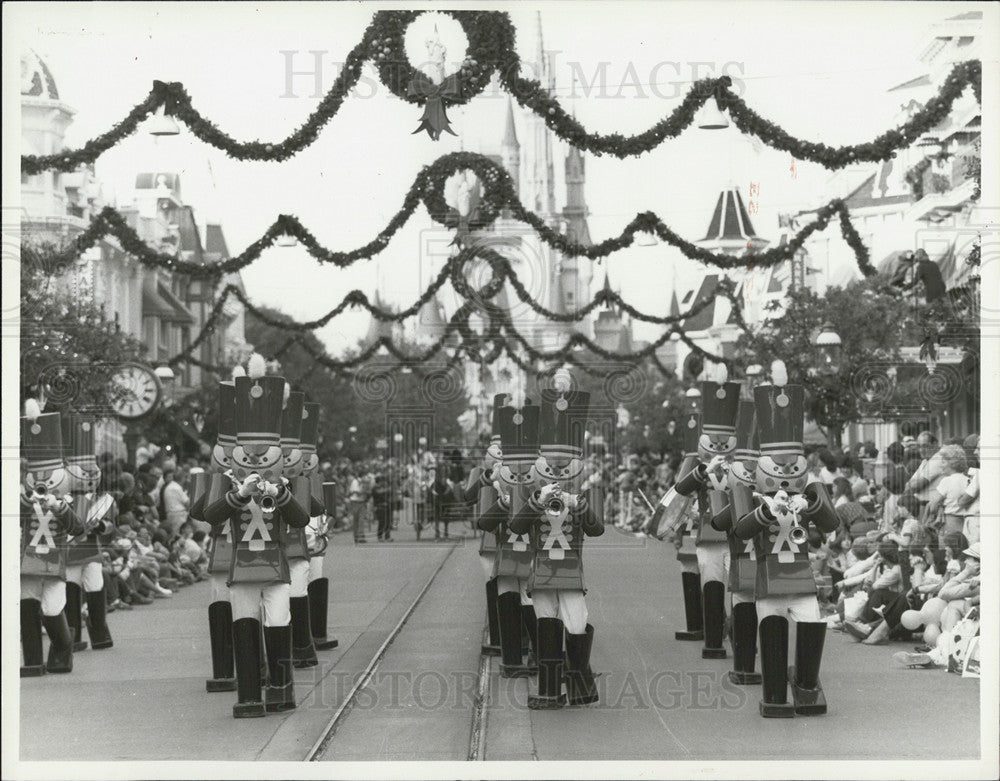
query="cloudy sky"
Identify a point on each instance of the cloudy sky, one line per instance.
(818, 69)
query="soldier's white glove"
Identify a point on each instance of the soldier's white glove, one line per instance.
(269, 489)
(547, 492)
(250, 485)
(52, 501)
(798, 503)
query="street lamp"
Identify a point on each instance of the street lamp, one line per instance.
(712, 117)
(163, 124)
(829, 343)
(754, 372)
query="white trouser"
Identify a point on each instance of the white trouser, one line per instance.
(797, 607)
(487, 559)
(569, 606)
(298, 570)
(220, 589)
(316, 568)
(89, 576)
(249, 598)
(690, 565)
(51, 592)
(506, 584)
(739, 597)
(712, 562)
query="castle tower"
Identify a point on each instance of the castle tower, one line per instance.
(510, 149)
(611, 332)
(541, 195)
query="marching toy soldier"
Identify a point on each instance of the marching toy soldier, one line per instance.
(318, 591)
(707, 479)
(675, 517)
(479, 490)
(296, 541)
(219, 483)
(740, 486)
(558, 514)
(258, 508)
(48, 518)
(786, 589)
(518, 427)
(84, 573)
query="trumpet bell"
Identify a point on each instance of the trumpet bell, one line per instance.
(798, 535)
(267, 504)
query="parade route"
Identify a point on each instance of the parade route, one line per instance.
(145, 699)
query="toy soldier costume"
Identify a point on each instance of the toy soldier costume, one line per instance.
(84, 573)
(480, 492)
(707, 480)
(518, 427)
(259, 508)
(740, 486)
(48, 517)
(786, 503)
(207, 492)
(323, 501)
(560, 511)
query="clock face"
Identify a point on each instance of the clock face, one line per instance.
(135, 390)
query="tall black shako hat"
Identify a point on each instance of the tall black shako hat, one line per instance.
(517, 423)
(259, 401)
(720, 401)
(41, 438)
(779, 412)
(563, 422)
(747, 446)
(291, 420)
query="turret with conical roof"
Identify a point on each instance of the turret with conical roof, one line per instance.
(510, 149)
(379, 329)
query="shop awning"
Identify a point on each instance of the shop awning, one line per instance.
(158, 301)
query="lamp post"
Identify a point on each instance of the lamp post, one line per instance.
(692, 398)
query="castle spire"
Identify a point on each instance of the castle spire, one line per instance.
(510, 149)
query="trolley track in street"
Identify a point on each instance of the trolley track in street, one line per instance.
(320, 747)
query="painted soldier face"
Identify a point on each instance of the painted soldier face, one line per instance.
(782, 473)
(293, 463)
(744, 471)
(83, 477)
(265, 460)
(516, 471)
(54, 481)
(711, 445)
(494, 455)
(310, 463)
(567, 472)
(222, 457)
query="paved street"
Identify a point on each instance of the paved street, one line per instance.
(145, 698)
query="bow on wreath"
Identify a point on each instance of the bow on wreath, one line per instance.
(434, 118)
(169, 93)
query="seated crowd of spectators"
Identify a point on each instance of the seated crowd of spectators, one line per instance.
(153, 548)
(904, 562)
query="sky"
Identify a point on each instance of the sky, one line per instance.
(820, 70)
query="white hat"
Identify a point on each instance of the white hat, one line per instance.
(972, 551)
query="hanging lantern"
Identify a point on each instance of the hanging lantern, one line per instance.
(712, 117)
(162, 124)
(753, 372)
(829, 344)
(692, 398)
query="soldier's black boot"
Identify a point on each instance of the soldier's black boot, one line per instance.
(246, 642)
(220, 636)
(280, 694)
(319, 595)
(693, 616)
(714, 612)
(60, 644)
(579, 678)
(303, 650)
(511, 656)
(774, 668)
(74, 615)
(97, 620)
(31, 639)
(529, 626)
(744, 644)
(550, 666)
(492, 646)
(807, 694)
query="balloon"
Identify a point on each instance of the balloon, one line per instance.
(931, 634)
(932, 610)
(911, 619)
